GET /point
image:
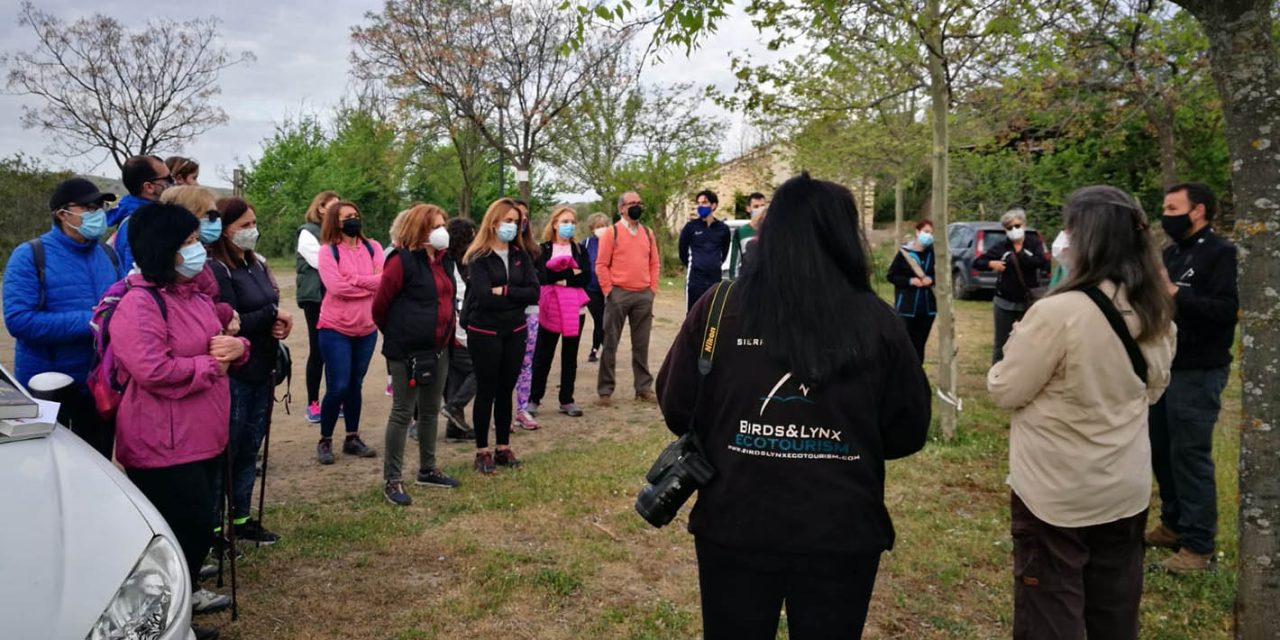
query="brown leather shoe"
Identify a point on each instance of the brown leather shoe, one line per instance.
(1164, 537)
(1186, 561)
(604, 401)
(646, 396)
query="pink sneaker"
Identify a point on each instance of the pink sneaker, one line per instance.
(525, 421)
(313, 412)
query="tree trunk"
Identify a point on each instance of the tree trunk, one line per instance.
(522, 179)
(1243, 62)
(898, 205)
(940, 97)
(1163, 122)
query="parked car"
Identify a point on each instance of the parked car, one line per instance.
(969, 240)
(83, 553)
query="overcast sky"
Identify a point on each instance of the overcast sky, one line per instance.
(302, 48)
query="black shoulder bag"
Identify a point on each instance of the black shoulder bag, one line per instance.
(682, 467)
(1117, 324)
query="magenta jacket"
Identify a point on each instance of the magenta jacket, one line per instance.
(177, 404)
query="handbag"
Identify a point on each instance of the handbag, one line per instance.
(422, 367)
(1034, 294)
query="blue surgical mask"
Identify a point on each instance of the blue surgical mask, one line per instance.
(92, 224)
(507, 231)
(210, 230)
(566, 230)
(925, 239)
(193, 258)
(704, 211)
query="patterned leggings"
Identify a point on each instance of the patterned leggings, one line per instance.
(525, 381)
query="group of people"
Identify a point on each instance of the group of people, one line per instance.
(810, 389)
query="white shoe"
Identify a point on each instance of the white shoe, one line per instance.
(206, 601)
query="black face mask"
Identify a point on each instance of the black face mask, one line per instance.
(351, 227)
(1176, 226)
(635, 211)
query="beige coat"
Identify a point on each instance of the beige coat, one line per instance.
(1079, 452)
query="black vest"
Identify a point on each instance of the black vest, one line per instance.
(411, 319)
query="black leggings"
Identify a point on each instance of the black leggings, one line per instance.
(826, 594)
(595, 305)
(315, 360)
(544, 352)
(918, 328)
(497, 360)
(183, 494)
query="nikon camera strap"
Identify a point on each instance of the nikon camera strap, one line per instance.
(710, 336)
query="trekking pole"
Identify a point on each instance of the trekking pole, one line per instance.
(231, 539)
(266, 450)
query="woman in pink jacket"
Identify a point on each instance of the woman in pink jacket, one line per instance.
(350, 269)
(564, 271)
(172, 421)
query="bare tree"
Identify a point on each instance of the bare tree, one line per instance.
(486, 57)
(126, 92)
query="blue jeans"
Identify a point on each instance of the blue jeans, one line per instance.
(346, 360)
(1181, 427)
(250, 402)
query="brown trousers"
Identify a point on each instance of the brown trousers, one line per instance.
(1073, 583)
(635, 307)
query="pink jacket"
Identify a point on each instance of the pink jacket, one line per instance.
(558, 309)
(350, 285)
(177, 404)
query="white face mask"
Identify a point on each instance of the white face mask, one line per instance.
(1060, 245)
(439, 239)
(246, 238)
(1017, 234)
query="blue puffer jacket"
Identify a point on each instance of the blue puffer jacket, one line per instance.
(120, 215)
(57, 337)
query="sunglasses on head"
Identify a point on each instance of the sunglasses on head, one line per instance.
(212, 215)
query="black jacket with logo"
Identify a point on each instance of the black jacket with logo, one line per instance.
(1204, 268)
(798, 468)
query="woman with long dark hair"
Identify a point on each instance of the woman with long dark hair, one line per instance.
(247, 285)
(502, 283)
(814, 385)
(1079, 456)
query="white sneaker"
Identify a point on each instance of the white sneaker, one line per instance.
(205, 601)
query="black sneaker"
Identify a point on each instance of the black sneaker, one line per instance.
(252, 532)
(506, 458)
(484, 463)
(457, 418)
(220, 547)
(594, 357)
(324, 451)
(354, 446)
(208, 571)
(436, 478)
(394, 492)
(202, 632)
(454, 434)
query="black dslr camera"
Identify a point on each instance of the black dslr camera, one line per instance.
(680, 470)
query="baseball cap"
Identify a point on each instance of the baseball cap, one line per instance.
(76, 191)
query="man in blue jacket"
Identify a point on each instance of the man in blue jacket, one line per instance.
(51, 285)
(704, 246)
(146, 177)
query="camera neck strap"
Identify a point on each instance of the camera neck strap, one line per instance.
(710, 337)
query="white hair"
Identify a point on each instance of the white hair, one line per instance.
(1011, 215)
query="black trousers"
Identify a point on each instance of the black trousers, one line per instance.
(1181, 431)
(743, 592)
(918, 329)
(544, 352)
(183, 494)
(497, 360)
(460, 385)
(1003, 320)
(1073, 583)
(595, 306)
(78, 413)
(315, 360)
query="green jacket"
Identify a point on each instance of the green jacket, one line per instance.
(740, 236)
(309, 288)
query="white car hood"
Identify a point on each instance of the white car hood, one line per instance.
(72, 529)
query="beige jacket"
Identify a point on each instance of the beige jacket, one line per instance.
(1079, 453)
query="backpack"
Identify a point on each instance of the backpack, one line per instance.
(106, 382)
(37, 257)
(337, 259)
(648, 234)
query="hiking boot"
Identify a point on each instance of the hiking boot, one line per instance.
(413, 429)
(436, 478)
(484, 463)
(354, 446)
(324, 451)
(252, 531)
(457, 419)
(394, 492)
(595, 356)
(1162, 536)
(532, 408)
(207, 571)
(526, 421)
(454, 434)
(646, 396)
(604, 400)
(202, 632)
(571, 410)
(506, 458)
(205, 601)
(313, 413)
(220, 548)
(1187, 561)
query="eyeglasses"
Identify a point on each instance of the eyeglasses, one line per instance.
(1013, 226)
(632, 204)
(165, 179)
(212, 215)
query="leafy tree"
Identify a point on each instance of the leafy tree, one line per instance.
(281, 183)
(126, 92)
(24, 201)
